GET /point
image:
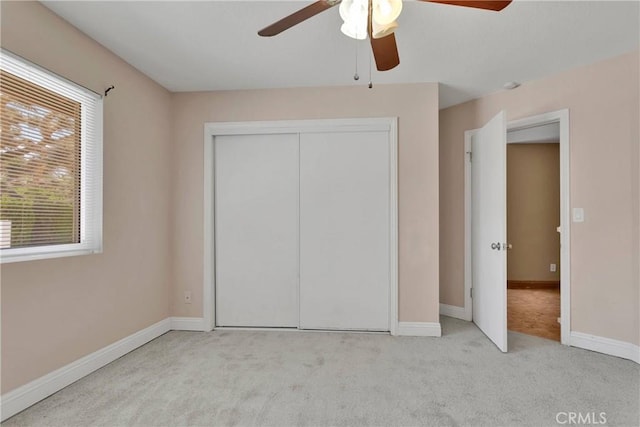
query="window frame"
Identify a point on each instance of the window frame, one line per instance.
(91, 160)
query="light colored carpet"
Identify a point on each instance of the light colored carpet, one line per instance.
(240, 378)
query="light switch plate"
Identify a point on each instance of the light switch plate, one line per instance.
(578, 215)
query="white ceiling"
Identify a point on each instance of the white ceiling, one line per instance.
(213, 45)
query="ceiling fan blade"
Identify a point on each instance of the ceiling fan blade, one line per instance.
(478, 4)
(297, 17)
(385, 52)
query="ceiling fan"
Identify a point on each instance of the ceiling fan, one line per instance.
(375, 19)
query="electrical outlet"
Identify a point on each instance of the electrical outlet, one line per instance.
(187, 297)
(552, 268)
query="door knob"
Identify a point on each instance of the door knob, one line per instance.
(500, 246)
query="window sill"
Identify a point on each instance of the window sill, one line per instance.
(42, 253)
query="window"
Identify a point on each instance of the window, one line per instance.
(50, 164)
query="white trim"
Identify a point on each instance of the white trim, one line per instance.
(608, 346)
(419, 329)
(213, 129)
(454, 311)
(209, 274)
(55, 252)
(187, 324)
(298, 126)
(24, 396)
(393, 226)
(562, 117)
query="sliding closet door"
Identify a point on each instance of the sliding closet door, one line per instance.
(256, 230)
(344, 231)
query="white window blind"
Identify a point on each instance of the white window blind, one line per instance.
(50, 164)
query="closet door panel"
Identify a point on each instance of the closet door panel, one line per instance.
(344, 231)
(256, 230)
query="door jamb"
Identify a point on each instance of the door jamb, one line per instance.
(212, 129)
(561, 117)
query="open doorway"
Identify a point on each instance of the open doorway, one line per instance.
(486, 220)
(533, 218)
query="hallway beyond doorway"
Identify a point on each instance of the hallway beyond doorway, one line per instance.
(534, 312)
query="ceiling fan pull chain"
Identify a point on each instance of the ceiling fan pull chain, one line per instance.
(370, 60)
(356, 77)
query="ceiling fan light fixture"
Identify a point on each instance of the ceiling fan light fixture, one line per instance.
(353, 31)
(379, 31)
(354, 13)
(385, 12)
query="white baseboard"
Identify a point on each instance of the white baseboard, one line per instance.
(419, 329)
(187, 324)
(454, 311)
(24, 396)
(608, 346)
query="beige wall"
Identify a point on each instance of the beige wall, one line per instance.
(416, 105)
(603, 104)
(56, 311)
(533, 211)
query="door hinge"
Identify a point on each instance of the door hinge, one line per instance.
(471, 292)
(470, 153)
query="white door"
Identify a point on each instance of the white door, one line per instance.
(489, 229)
(344, 230)
(256, 230)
